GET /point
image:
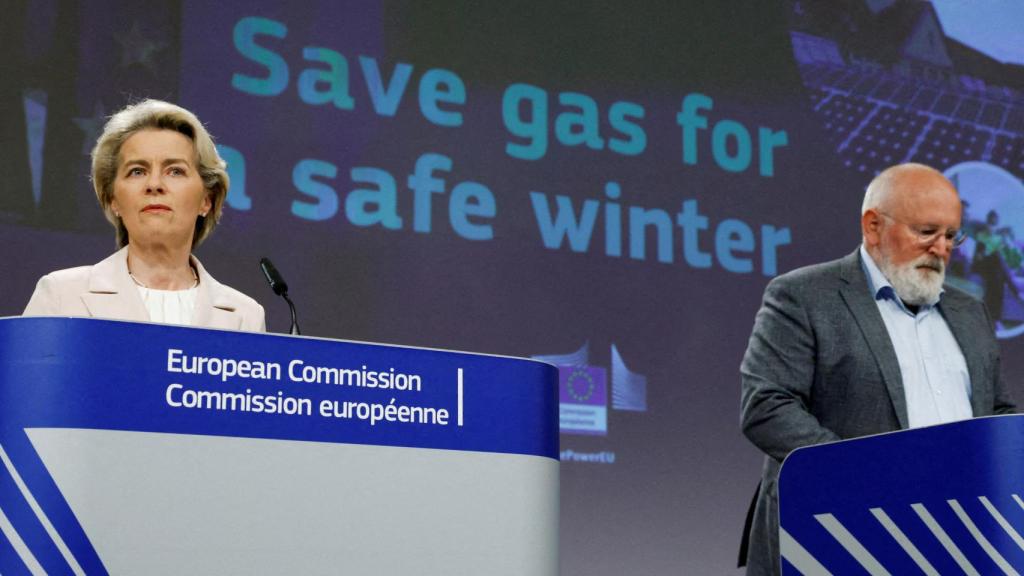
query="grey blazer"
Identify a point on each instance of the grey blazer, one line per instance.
(105, 290)
(820, 366)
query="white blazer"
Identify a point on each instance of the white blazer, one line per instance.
(105, 290)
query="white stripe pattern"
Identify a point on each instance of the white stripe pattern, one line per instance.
(944, 539)
(854, 547)
(799, 557)
(904, 542)
(19, 546)
(803, 561)
(76, 569)
(985, 544)
(1002, 522)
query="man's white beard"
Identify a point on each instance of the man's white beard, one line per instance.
(913, 284)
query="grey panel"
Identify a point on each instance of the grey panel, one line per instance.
(179, 504)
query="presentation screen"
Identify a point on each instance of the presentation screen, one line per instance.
(607, 187)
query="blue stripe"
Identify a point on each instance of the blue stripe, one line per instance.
(948, 519)
(870, 533)
(49, 497)
(918, 533)
(824, 548)
(27, 525)
(10, 562)
(991, 529)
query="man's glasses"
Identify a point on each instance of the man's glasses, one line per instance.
(927, 235)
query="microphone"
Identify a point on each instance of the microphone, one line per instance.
(280, 287)
(277, 283)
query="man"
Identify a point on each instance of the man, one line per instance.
(868, 343)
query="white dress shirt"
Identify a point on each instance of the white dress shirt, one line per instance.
(936, 383)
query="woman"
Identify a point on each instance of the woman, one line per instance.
(161, 183)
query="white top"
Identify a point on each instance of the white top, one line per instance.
(169, 306)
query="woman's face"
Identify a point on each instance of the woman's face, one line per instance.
(158, 191)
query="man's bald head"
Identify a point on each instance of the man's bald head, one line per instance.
(904, 186)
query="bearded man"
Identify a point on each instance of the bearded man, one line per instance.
(869, 343)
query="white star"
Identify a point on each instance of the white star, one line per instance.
(91, 126)
(138, 48)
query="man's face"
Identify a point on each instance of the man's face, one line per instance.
(913, 237)
(928, 207)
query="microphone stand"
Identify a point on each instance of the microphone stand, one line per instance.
(280, 287)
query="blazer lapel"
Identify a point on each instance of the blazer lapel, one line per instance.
(858, 298)
(214, 306)
(959, 321)
(112, 294)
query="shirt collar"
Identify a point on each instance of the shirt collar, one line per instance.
(879, 285)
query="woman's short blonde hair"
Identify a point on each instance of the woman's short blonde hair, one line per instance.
(158, 115)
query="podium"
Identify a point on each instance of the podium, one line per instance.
(946, 499)
(131, 448)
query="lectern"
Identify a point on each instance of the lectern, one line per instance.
(132, 448)
(944, 499)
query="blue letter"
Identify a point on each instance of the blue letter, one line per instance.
(336, 79)
(573, 129)
(383, 196)
(471, 199)
(423, 184)
(734, 235)
(236, 176)
(385, 100)
(277, 77)
(767, 140)
(612, 220)
(720, 134)
(619, 116)
(439, 85)
(302, 177)
(565, 225)
(535, 129)
(772, 238)
(639, 220)
(691, 121)
(692, 222)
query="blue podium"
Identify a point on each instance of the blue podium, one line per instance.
(132, 448)
(945, 499)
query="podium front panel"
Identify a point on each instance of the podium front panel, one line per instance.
(146, 449)
(946, 499)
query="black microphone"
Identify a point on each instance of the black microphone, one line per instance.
(280, 287)
(277, 283)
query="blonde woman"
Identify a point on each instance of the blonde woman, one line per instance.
(161, 183)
